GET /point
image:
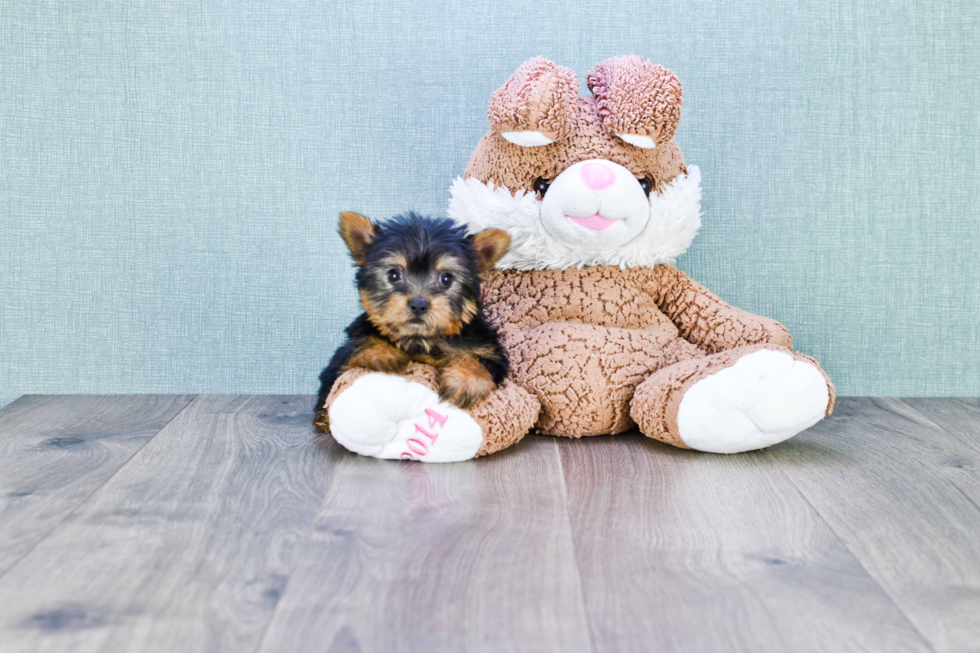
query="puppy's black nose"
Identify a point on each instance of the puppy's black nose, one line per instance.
(418, 306)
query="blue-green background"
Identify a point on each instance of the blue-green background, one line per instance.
(170, 173)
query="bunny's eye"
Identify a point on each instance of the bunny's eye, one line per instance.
(541, 186)
(646, 184)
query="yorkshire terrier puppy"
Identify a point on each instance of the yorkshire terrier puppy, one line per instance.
(419, 283)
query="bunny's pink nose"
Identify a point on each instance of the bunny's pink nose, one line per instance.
(597, 176)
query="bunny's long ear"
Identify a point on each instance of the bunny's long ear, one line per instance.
(637, 101)
(537, 105)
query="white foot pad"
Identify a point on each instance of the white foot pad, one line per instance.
(388, 416)
(764, 398)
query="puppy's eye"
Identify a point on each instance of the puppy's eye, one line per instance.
(541, 186)
(445, 279)
(646, 184)
(394, 276)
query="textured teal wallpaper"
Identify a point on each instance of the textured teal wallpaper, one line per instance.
(170, 173)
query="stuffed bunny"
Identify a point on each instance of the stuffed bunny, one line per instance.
(603, 333)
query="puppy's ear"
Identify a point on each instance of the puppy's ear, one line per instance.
(357, 232)
(490, 246)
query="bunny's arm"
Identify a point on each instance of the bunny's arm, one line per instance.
(705, 320)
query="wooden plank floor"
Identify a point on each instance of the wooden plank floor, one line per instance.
(217, 523)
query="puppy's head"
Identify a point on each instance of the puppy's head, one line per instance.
(419, 277)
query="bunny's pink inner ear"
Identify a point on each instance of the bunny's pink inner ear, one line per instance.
(638, 101)
(537, 105)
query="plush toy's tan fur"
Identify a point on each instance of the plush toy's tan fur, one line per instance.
(582, 341)
(584, 135)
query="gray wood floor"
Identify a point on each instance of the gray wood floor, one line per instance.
(212, 523)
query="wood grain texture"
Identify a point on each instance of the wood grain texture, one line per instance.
(685, 551)
(904, 495)
(472, 556)
(235, 528)
(56, 450)
(188, 547)
(959, 417)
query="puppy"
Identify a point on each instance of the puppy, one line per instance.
(419, 283)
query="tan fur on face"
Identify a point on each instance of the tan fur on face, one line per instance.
(470, 310)
(449, 263)
(378, 355)
(393, 261)
(441, 318)
(392, 318)
(464, 381)
(388, 317)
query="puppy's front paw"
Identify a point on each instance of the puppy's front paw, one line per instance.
(465, 382)
(322, 420)
(379, 356)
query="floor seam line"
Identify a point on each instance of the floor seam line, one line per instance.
(966, 443)
(884, 591)
(96, 489)
(571, 537)
(299, 556)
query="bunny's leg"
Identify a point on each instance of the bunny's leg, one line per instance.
(402, 417)
(584, 375)
(737, 400)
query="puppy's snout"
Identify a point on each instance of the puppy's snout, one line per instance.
(418, 306)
